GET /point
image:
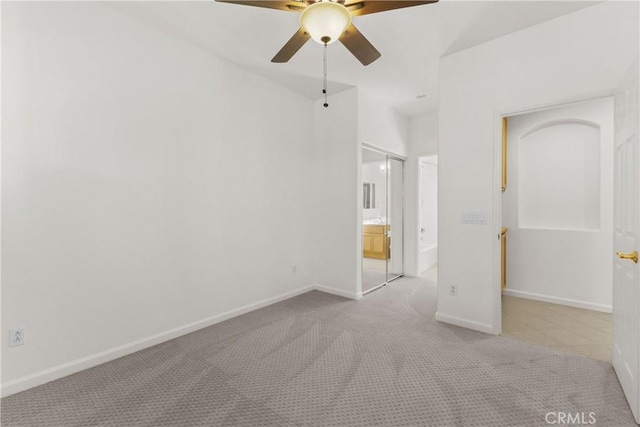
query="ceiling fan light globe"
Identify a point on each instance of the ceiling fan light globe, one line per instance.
(325, 20)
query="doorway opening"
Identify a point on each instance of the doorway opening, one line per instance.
(557, 227)
(383, 219)
(429, 217)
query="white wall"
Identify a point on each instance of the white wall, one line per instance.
(380, 126)
(384, 128)
(423, 135)
(336, 215)
(352, 118)
(423, 141)
(572, 57)
(557, 161)
(146, 186)
(553, 255)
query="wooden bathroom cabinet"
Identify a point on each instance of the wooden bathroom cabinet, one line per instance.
(375, 243)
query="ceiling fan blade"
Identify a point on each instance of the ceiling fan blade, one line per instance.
(366, 7)
(292, 46)
(359, 46)
(288, 5)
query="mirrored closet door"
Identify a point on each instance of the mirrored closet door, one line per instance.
(395, 223)
(382, 214)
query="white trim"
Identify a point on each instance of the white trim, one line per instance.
(1, 275)
(384, 151)
(359, 220)
(47, 375)
(431, 159)
(339, 292)
(558, 300)
(412, 218)
(464, 323)
(496, 243)
(558, 102)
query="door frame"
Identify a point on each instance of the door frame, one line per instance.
(498, 115)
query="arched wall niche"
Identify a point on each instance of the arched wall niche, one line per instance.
(559, 176)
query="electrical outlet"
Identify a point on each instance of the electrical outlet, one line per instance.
(16, 337)
(453, 290)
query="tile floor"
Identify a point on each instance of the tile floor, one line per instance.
(575, 330)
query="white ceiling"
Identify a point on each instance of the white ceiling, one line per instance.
(411, 41)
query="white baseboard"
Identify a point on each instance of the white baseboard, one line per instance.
(557, 300)
(47, 375)
(339, 292)
(465, 323)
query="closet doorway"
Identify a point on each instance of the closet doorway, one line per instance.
(557, 227)
(382, 219)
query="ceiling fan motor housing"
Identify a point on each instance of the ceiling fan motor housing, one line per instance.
(325, 21)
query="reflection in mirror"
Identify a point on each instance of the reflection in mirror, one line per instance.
(374, 213)
(369, 194)
(395, 227)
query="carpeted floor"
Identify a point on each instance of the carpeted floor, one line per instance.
(323, 360)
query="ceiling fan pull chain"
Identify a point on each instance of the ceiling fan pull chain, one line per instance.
(324, 75)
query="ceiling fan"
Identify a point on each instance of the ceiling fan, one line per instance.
(326, 21)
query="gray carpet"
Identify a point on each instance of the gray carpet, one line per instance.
(322, 360)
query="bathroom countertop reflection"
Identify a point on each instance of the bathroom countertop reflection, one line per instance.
(375, 221)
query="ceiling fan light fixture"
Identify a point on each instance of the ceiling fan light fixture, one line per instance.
(325, 21)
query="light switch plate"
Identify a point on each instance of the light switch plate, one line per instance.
(474, 218)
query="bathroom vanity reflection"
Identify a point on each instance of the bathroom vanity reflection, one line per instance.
(375, 243)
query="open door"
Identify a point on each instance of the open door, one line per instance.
(626, 277)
